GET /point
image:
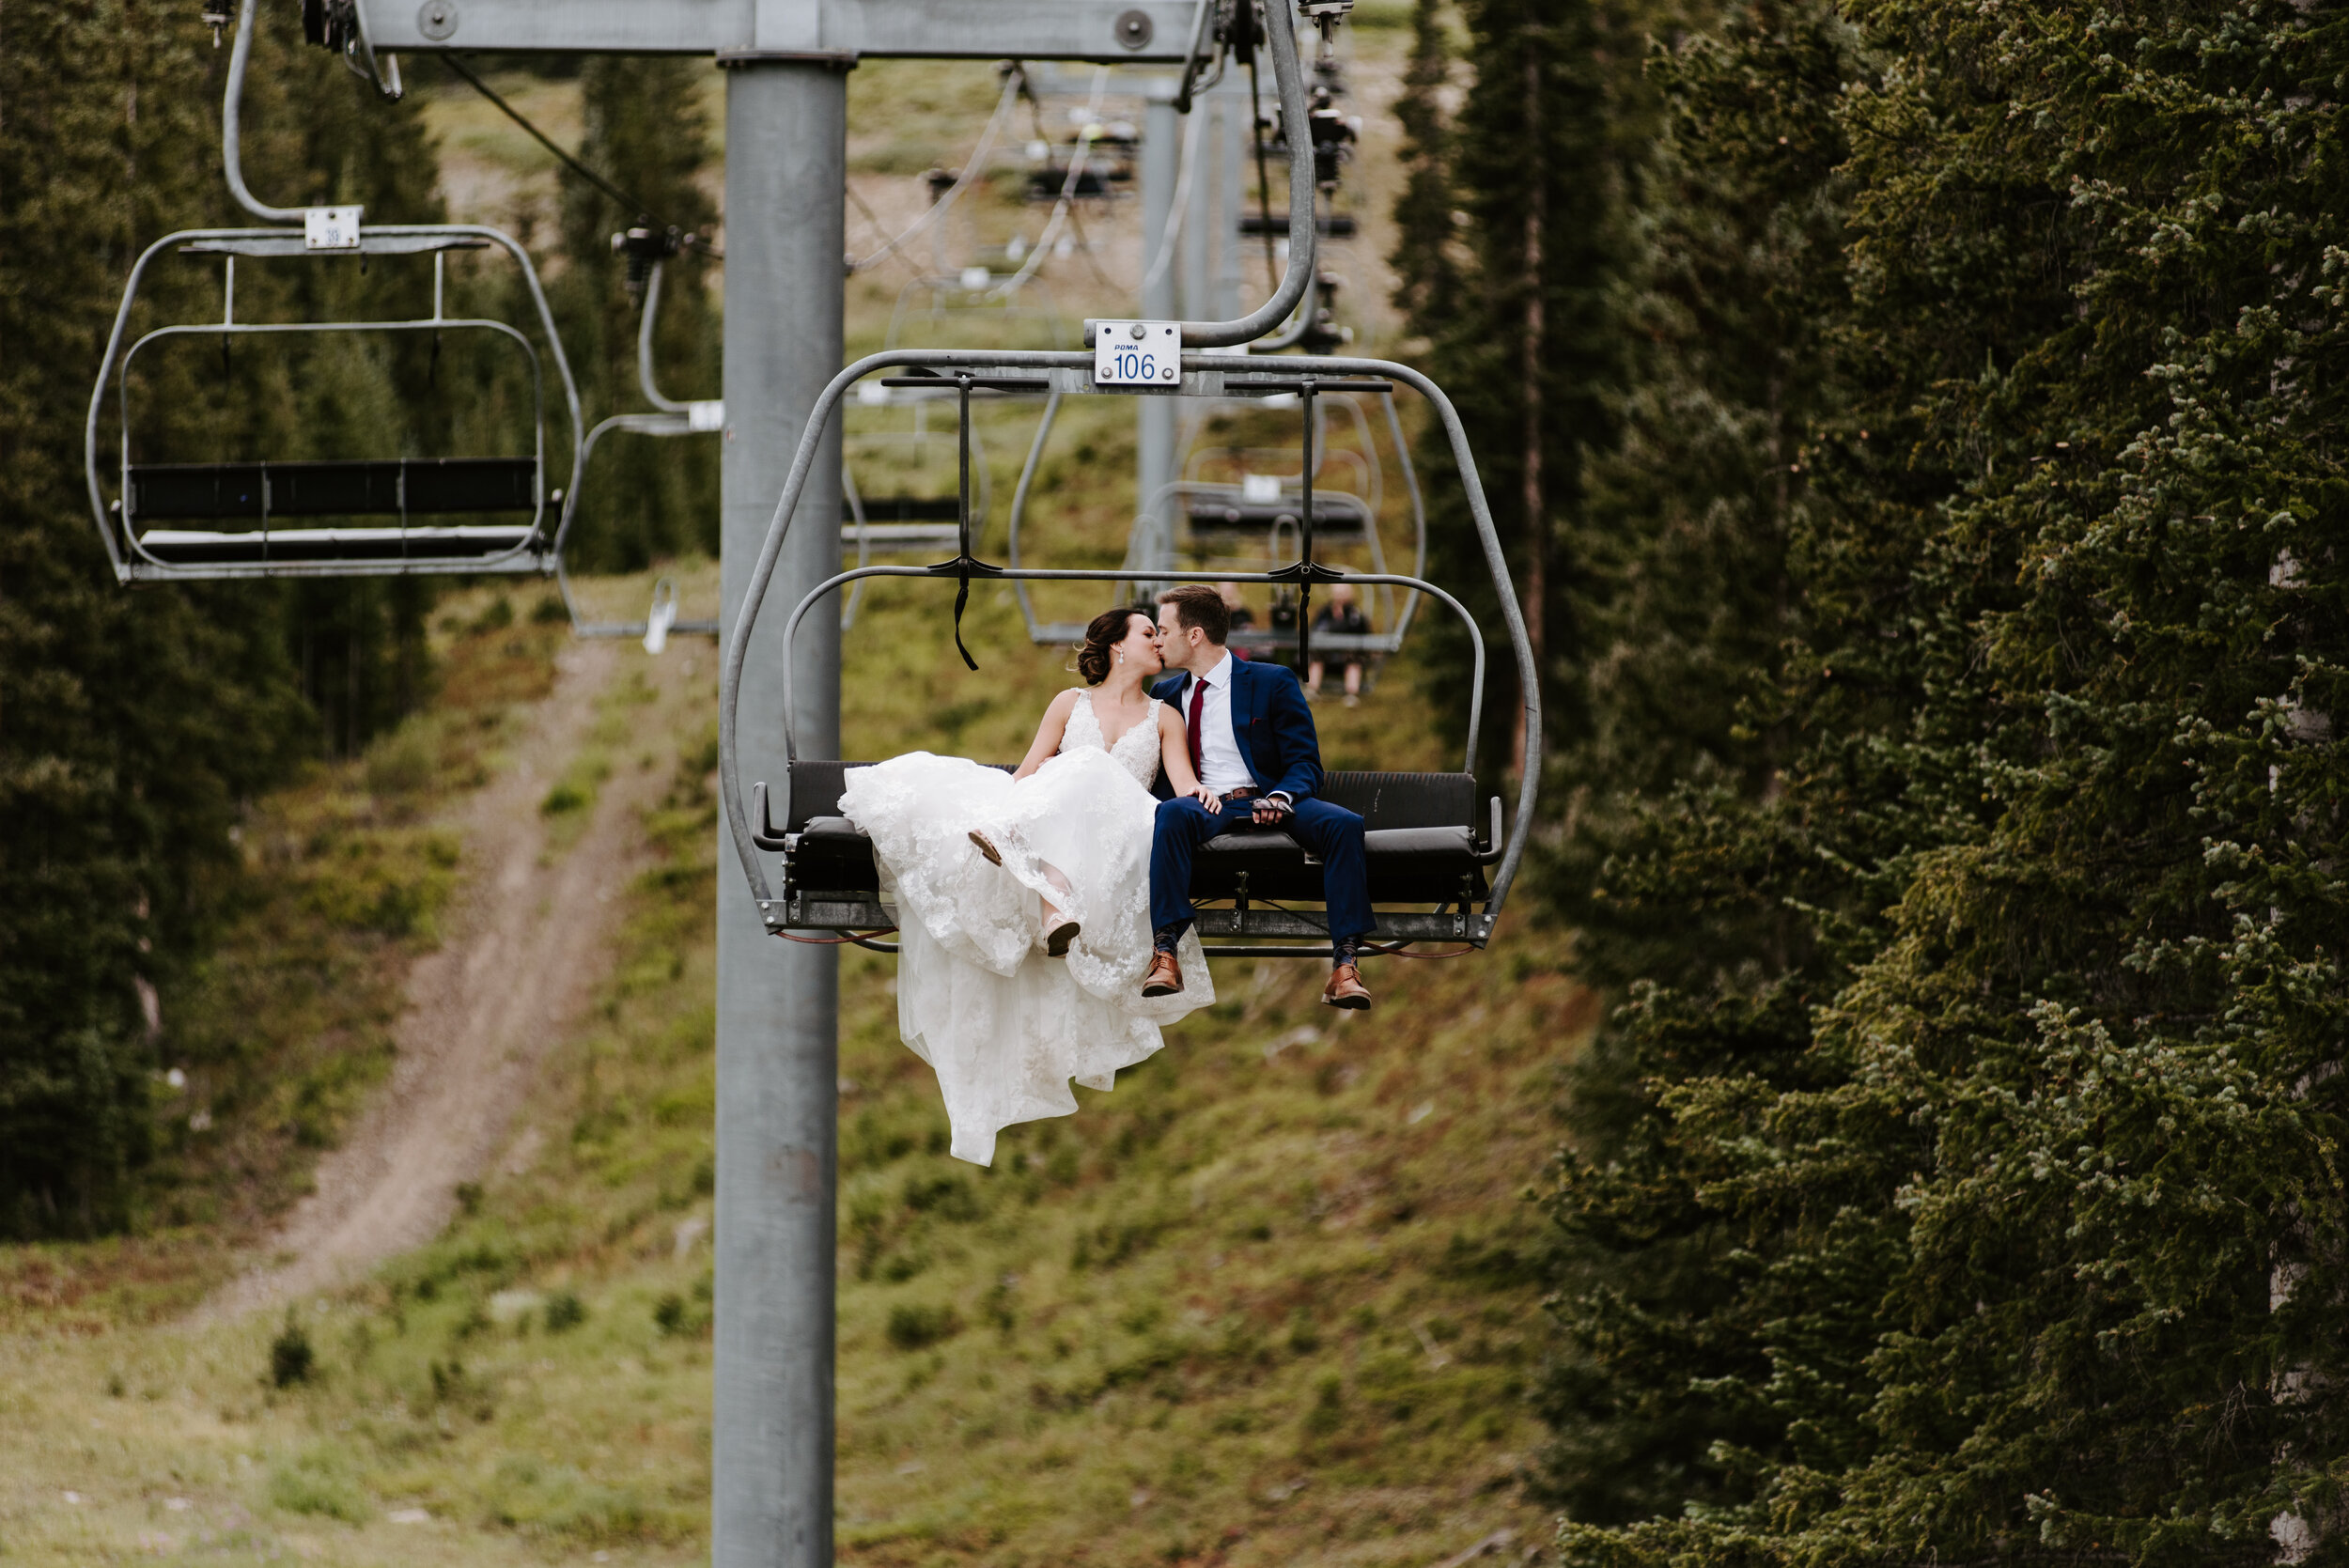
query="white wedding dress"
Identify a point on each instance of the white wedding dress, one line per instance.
(1003, 1025)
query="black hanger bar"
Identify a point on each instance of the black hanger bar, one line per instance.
(973, 383)
(1305, 390)
(963, 564)
(1243, 384)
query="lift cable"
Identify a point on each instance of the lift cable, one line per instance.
(1015, 81)
(1065, 206)
(634, 205)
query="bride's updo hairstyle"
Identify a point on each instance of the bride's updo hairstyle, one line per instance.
(1105, 633)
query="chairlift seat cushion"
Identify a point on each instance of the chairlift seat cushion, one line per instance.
(833, 854)
(1419, 842)
(1336, 513)
(1405, 866)
(190, 546)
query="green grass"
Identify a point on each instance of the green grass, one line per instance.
(1267, 1301)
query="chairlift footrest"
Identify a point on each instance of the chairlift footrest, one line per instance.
(849, 912)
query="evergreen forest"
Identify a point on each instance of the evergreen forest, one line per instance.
(1913, 428)
(1921, 429)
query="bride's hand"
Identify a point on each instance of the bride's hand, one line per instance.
(1208, 799)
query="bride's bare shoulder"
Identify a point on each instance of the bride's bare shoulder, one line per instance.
(1060, 706)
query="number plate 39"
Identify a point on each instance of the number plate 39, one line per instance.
(1137, 353)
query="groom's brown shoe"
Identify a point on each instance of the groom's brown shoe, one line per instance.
(1345, 989)
(1165, 977)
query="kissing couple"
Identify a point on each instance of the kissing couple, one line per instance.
(1045, 915)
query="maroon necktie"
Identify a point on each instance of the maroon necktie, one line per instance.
(1198, 705)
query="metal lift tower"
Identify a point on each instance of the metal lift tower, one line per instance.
(787, 176)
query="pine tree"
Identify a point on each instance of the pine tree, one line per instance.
(1696, 864)
(1986, 1208)
(1428, 269)
(132, 726)
(1517, 316)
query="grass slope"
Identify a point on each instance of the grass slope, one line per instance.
(1270, 1300)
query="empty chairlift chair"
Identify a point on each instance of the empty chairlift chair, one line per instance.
(370, 516)
(1265, 510)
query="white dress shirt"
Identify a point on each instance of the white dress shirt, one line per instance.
(1222, 768)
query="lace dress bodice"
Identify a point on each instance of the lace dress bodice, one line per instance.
(1137, 749)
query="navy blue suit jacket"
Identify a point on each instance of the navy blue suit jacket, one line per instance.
(1271, 722)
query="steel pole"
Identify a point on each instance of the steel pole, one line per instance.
(1162, 145)
(1198, 220)
(778, 1003)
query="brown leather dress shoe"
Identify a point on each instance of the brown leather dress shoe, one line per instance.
(1345, 989)
(1165, 977)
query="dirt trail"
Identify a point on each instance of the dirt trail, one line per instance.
(528, 937)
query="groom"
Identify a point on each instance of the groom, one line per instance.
(1252, 748)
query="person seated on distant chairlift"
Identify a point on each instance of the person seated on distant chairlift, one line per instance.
(1344, 616)
(1242, 617)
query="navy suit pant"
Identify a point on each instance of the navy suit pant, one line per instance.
(1330, 834)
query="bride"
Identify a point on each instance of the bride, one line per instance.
(1023, 898)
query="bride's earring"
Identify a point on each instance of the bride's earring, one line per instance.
(1121, 656)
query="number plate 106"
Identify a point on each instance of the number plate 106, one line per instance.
(1137, 353)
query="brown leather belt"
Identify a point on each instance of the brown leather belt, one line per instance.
(1241, 794)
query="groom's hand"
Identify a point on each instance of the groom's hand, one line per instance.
(1272, 810)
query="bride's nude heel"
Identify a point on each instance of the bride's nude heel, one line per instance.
(986, 847)
(1056, 936)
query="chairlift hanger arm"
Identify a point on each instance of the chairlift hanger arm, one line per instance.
(232, 124)
(232, 103)
(1288, 78)
(644, 355)
(811, 437)
(1195, 59)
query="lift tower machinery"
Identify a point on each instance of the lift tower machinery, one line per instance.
(786, 178)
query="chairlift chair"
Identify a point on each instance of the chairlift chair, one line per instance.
(1263, 504)
(367, 517)
(1426, 842)
(670, 418)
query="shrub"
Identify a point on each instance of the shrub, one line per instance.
(290, 1358)
(565, 1309)
(565, 797)
(401, 764)
(319, 1482)
(912, 1326)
